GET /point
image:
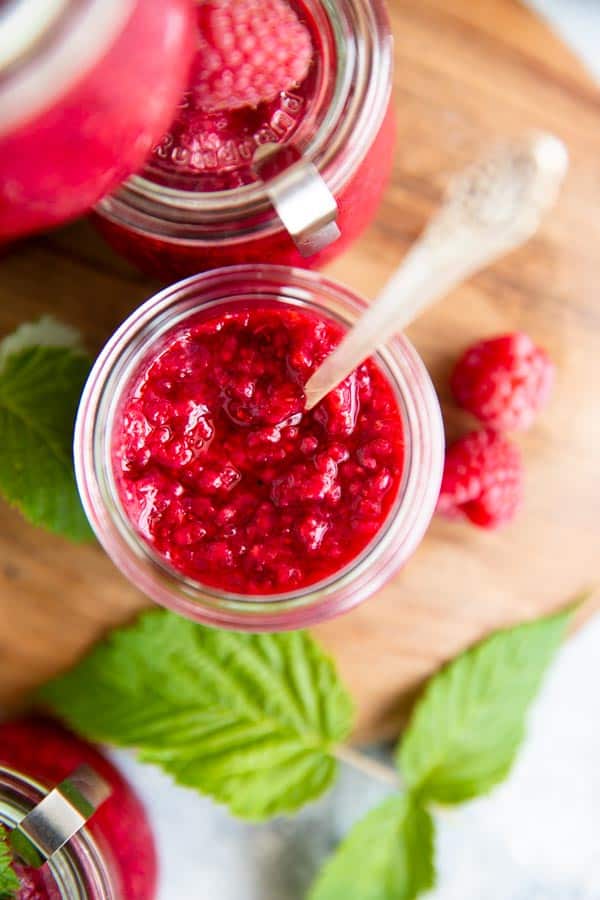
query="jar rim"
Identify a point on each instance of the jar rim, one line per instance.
(390, 547)
(80, 863)
(363, 41)
(54, 46)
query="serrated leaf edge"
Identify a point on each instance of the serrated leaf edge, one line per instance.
(418, 789)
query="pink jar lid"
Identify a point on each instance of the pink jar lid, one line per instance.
(28, 28)
(77, 117)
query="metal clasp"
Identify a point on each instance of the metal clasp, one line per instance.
(59, 816)
(300, 196)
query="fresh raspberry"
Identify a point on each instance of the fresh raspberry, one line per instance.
(248, 52)
(504, 381)
(482, 480)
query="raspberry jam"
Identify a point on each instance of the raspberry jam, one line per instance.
(41, 750)
(199, 204)
(221, 471)
(74, 124)
(213, 490)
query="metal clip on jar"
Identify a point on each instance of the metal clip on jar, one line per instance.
(295, 185)
(55, 854)
(76, 116)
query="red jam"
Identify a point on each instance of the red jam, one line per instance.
(228, 480)
(172, 260)
(45, 752)
(36, 884)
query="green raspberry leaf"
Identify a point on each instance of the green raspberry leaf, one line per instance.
(46, 332)
(467, 727)
(40, 387)
(388, 855)
(251, 720)
(9, 883)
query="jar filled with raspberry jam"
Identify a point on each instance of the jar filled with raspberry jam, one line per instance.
(76, 829)
(76, 115)
(282, 145)
(211, 486)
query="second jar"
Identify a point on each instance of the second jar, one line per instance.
(294, 180)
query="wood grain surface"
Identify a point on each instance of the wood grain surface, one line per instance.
(465, 73)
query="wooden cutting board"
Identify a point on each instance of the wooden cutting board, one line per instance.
(465, 73)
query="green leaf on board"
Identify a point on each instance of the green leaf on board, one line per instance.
(46, 332)
(467, 727)
(9, 883)
(251, 720)
(388, 855)
(40, 387)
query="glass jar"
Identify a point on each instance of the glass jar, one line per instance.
(112, 857)
(208, 202)
(76, 115)
(137, 340)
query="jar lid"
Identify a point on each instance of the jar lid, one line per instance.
(29, 79)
